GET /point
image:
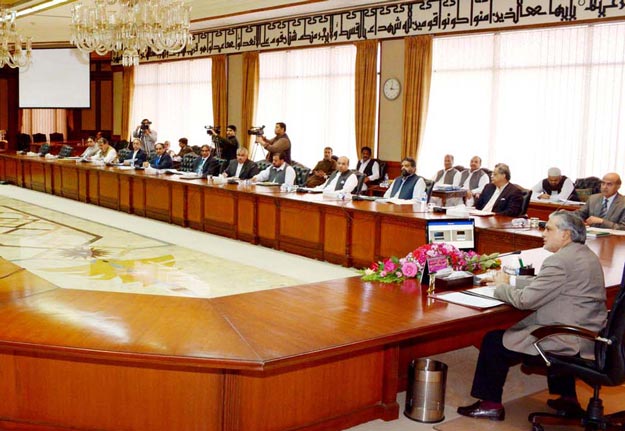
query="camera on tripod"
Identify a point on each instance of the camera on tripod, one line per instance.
(145, 126)
(213, 130)
(256, 131)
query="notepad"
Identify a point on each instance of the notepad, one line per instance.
(594, 232)
(468, 299)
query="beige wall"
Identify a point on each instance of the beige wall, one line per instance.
(235, 79)
(118, 84)
(391, 111)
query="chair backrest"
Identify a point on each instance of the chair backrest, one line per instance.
(23, 141)
(301, 174)
(429, 186)
(527, 195)
(123, 154)
(56, 137)
(263, 164)
(383, 167)
(361, 180)
(39, 137)
(585, 187)
(223, 164)
(186, 165)
(610, 358)
(459, 168)
(489, 173)
(66, 151)
(151, 156)
(44, 149)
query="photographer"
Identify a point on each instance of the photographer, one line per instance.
(278, 144)
(146, 135)
(225, 148)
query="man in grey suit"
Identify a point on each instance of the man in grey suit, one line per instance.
(242, 167)
(569, 290)
(605, 209)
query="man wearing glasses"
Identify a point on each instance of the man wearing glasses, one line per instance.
(605, 209)
(500, 196)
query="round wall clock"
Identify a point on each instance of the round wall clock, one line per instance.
(392, 88)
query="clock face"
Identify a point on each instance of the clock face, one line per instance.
(392, 88)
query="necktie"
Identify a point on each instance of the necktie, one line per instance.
(199, 168)
(604, 208)
(158, 160)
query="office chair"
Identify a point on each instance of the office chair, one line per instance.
(527, 195)
(186, 165)
(301, 174)
(44, 149)
(429, 186)
(123, 154)
(361, 181)
(263, 164)
(38, 138)
(606, 369)
(66, 151)
(56, 137)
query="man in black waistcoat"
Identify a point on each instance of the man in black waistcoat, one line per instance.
(556, 185)
(343, 180)
(370, 167)
(409, 185)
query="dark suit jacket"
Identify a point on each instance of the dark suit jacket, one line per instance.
(250, 169)
(140, 157)
(210, 167)
(614, 219)
(510, 201)
(165, 162)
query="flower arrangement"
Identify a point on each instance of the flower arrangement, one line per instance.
(395, 270)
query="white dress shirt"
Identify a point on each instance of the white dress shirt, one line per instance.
(350, 184)
(567, 188)
(289, 176)
(493, 199)
(417, 192)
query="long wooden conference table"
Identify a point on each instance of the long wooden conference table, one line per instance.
(322, 356)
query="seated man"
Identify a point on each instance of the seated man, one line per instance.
(242, 167)
(322, 169)
(569, 290)
(555, 186)
(138, 156)
(279, 172)
(92, 148)
(343, 180)
(605, 209)
(206, 164)
(409, 185)
(183, 143)
(162, 159)
(370, 167)
(500, 196)
(107, 154)
(474, 179)
(449, 175)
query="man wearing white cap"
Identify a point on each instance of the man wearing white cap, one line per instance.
(556, 187)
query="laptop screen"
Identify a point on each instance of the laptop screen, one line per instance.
(457, 232)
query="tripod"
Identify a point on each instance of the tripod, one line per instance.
(262, 151)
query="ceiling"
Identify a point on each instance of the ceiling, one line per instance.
(51, 26)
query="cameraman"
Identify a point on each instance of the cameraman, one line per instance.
(279, 144)
(225, 148)
(146, 135)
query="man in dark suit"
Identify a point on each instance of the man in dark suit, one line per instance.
(162, 159)
(137, 157)
(242, 167)
(206, 164)
(500, 196)
(569, 290)
(605, 209)
(369, 167)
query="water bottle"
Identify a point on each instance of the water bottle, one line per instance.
(386, 181)
(423, 207)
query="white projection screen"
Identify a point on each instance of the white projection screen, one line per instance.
(56, 78)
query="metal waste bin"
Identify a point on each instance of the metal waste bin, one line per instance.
(425, 395)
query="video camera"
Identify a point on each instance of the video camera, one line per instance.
(145, 126)
(256, 131)
(213, 130)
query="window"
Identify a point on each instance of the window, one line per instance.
(177, 97)
(312, 91)
(531, 99)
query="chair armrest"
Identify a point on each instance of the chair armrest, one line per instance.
(548, 331)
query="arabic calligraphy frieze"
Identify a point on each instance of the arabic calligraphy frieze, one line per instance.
(389, 21)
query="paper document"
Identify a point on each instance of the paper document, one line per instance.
(468, 300)
(396, 201)
(480, 213)
(595, 232)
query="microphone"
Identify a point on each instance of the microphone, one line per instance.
(510, 253)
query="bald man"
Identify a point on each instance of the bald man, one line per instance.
(343, 180)
(605, 209)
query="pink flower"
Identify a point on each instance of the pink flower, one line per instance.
(410, 269)
(389, 266)
(383, 274)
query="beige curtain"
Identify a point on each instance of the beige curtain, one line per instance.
(417, 79)
(249, 90)
(44, 121)
(366, 93)
(220, 91)
(128, 77)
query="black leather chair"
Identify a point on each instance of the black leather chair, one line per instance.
(361, 180)
(44, 149)
(489, 173)
(429, 186)
(56, 137)
(263, 164)
(66, 151)
(301, 174)
(186, 165)
(223, 164)
(23, 142)
(592, 183)
(123, 154)
(606, 369)
(38, 138)
(527, 196)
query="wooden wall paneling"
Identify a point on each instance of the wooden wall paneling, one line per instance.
(301, 228)
(107, 396)
(399, 236)
(220, 212)
(247, 227)
(138, 192)
(93, 186)
(157, 199)
(337, 227)
(109, 189)
(179, 203)
(365, 228)
(83, 184)
(267, 223)
(195, 206)
(57, 179)
(125, 193)
(301, 395)
(48, 177)
(35, 176)
(3, 172)
(69, 181)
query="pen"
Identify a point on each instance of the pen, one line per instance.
(521, 263)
